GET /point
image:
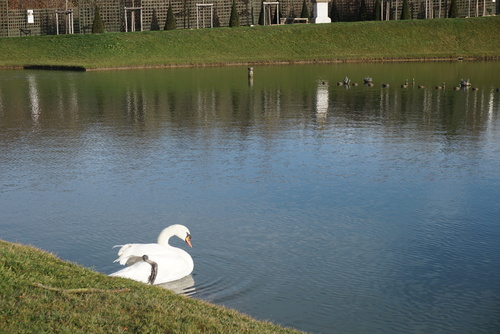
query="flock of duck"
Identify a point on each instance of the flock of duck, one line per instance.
(368, 82)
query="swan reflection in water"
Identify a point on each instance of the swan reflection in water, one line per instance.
(184, 286)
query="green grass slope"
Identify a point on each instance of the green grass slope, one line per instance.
(88, 302)
(344, 41)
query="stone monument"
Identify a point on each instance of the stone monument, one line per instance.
(320, 11)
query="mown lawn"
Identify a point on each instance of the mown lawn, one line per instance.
(343, 41)
(88, 302)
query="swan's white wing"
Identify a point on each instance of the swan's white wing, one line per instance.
(171, 268)
(139, 271)
(173, 263)
(132, 253)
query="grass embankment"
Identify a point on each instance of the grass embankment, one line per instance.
(122, 305)
(475, 38)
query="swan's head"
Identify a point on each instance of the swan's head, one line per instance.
(188, 240)
(184, 234)
(180, 231)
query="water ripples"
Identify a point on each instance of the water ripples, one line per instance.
(218, 279)
(377, 216)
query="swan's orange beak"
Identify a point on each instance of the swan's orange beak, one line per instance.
(188, 240)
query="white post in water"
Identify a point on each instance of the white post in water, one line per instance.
(320, 11)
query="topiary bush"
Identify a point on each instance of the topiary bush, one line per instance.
(97, 25)
(234, 19)
(170, 22)
(261, 15)
(334, 12)
(155, 25)
(376, 11)
(305, 11)
(453, 13)
(405, 11)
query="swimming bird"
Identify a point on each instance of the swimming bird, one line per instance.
(159, 262)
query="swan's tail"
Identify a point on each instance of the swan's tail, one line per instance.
(125, 256)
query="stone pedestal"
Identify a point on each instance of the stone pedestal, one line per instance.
(320, 11)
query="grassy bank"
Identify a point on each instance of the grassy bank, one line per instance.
(113, 306)
(344, 41)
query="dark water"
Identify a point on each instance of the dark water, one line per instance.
(331, 210)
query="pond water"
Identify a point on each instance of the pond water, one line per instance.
(315, 206)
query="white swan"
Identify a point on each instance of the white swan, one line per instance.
(156, 263)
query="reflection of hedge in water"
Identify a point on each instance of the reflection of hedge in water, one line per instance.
(13, 12)
(191, 101)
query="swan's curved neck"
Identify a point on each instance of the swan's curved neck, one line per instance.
(177, 230)
(165, 236)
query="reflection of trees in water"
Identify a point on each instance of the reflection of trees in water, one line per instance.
(136, 106)
(151, 106)
(437, 110)
(34, 99)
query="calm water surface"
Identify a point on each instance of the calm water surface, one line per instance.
(331, 210)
